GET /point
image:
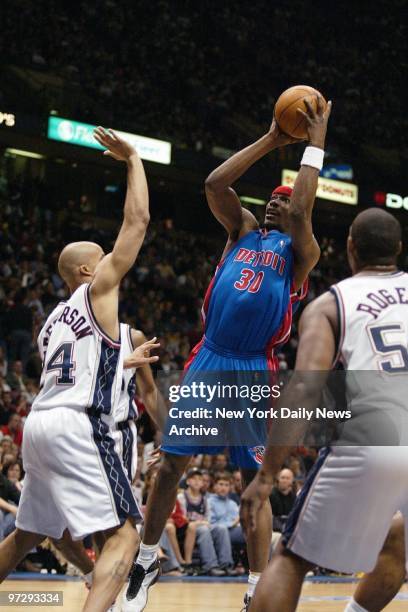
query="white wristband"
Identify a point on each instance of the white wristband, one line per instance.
(313, 157)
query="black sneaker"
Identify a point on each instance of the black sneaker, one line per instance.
(230, 571)
(247, 603)
(140, 580)
(188, 569)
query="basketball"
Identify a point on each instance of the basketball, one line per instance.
(289, 120)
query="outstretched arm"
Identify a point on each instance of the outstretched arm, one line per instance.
(113, 267)
(305, 247)
(314, 360)
(223, 200)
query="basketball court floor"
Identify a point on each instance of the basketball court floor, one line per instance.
(196, 595)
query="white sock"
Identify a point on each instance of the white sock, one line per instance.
(253, 579)
(353, 606)
(147, 554)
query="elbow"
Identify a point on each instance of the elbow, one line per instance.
(141, 219)
(212, 184)
(145, 219)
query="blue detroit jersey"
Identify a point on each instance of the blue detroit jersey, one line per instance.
(249, 295)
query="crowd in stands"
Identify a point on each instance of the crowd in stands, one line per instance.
(162, 296)
(215, 71)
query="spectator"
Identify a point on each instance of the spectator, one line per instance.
(7, 408)
(14, 429)
(207, 482)
(220, 463)
(13, 471)
(20, 326)
(236, 487)
(15, 377)
(282, 500)
(181, 531)
(224, 512)
(8, 456)
(212, 543)
(31, 390)
(9, 499)
(207, 462)
(6, 445)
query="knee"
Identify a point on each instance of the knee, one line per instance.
(220, 530)
(170, 528)
(203, 531)
(129, 534)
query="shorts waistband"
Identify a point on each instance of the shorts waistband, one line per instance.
(221, 350)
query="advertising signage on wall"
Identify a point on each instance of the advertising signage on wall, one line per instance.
(327, 189)
(391, 200)
(81, 134)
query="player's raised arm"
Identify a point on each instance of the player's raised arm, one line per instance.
(223, 200)
(113, 266)
(305, 247)
(314, 360)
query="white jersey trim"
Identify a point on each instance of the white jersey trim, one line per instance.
(341, 312)
(98, 328)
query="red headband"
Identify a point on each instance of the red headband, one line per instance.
(283, 190)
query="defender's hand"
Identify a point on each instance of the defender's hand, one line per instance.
(117, 147)
(154, 457)
(141, 355)
(252, 499)
(316, 122)
(279, 138)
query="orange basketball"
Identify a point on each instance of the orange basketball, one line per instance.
(289, 120)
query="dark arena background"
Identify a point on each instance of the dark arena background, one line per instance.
(190, 83)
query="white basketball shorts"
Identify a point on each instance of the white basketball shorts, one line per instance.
(74, 477)
(343, 513)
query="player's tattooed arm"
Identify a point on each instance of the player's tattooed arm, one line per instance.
(305, 247)
(316, 352)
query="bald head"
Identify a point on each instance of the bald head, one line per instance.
(375, 238)
(285, 480)
(77, 262)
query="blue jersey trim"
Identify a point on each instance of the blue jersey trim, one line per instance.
(119, 483)
(108, 362)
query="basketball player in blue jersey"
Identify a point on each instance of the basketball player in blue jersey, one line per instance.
(74, 478)
(362, 321)
(247, 313)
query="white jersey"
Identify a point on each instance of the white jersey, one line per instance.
(82, 366)
(373, 348)
(373, 313)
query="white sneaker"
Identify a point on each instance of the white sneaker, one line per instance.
(134, 598)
